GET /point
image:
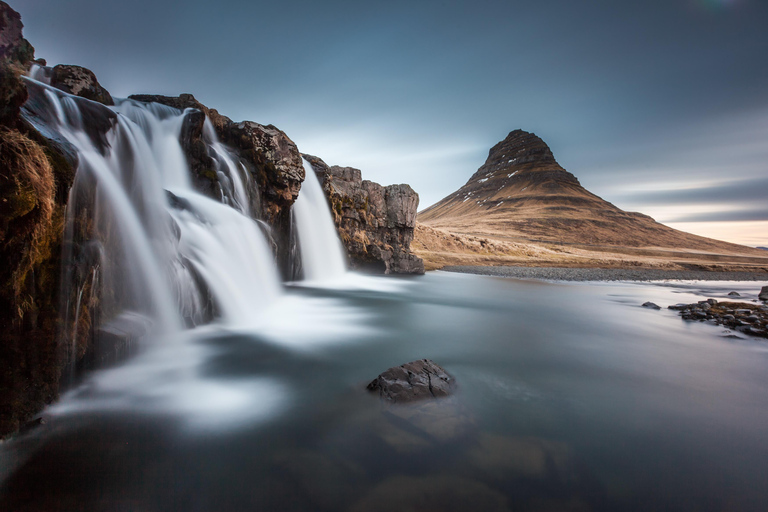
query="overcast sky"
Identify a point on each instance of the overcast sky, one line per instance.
(659, 106)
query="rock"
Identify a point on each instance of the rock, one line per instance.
(734, 294)
(678, 307)
(711, 302)
(440, 493)
(116, 341)
(327, 481)
(739, 316)
(15, 56)
(414, 381)
(437, 422)
(651, 305)
(375, 223)
(80, 81)
(763, 293)
(503, 458)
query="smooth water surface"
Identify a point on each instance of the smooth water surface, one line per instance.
(571, 397)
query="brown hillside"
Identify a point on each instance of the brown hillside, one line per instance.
(521, 194)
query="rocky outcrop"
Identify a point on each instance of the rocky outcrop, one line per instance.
(412, 382)
(375, 223)
(15, 55)
(80, 81)
(35, 179)
(743, 317)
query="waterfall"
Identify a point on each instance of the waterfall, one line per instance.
(322, 255)
(163, 250)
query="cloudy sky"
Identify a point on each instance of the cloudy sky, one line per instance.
(659, 106)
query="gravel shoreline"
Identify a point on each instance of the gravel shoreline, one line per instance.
(606, 274)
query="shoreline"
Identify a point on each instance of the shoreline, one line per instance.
(604, 274)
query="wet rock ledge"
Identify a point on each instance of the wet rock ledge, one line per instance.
(743, 317)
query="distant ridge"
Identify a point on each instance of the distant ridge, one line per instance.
(521, 193)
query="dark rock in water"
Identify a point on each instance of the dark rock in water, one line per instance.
(80, 81)
(763, 293)
(410, 382)
(438, 493)
(116, 341)
(739, 316)
(651, 305)
(734, 294)
(375, 223)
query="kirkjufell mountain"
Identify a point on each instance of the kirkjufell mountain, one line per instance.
(522, 194)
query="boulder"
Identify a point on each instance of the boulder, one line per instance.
(652, 305)
(763, 293)
(375, 223)
(734, 294)
(411, 382)
(80, 81)
(407, 493)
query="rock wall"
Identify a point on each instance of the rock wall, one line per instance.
(375, 223)
(34, 182)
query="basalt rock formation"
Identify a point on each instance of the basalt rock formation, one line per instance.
(375, 223)
(522, 194)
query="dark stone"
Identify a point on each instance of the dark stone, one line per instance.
(80, 81)
(739, 316)
(734, 294)
(375, 223)
(763, 293)
(410, 382)
(116, 341)
(651, 305)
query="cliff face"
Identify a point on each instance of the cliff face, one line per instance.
(375, 223)
(34, 182)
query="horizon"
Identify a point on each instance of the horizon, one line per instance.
(659, 108)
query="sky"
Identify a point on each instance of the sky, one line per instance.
(658, 106)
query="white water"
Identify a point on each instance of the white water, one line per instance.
(322, 256)
(168, 252)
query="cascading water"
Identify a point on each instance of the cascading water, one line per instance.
(322, 256)
(137, 230)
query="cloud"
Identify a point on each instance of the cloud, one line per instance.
(727, 216)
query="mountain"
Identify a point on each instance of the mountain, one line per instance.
(521, 194)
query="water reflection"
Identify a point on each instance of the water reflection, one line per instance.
(571, 397)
